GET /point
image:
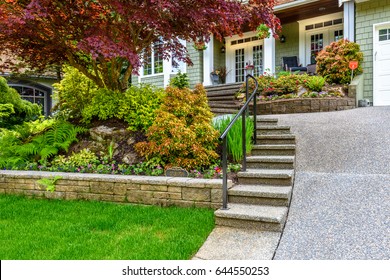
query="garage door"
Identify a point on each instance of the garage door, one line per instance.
(382, 65)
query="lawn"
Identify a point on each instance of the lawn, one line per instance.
(84, 230)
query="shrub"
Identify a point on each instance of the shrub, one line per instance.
(73, 93)
(16, 152)
(13, 109)
(182, 133)
(234, 137)
(138, 106)
(104, 105)
(333, 61)
(315, 83)
(181, 81)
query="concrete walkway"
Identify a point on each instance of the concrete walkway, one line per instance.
(340, 207)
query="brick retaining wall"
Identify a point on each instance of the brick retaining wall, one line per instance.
(149, 190)
(305, 105)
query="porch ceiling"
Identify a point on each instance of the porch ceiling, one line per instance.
(313, 9)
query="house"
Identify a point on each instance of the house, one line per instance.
(307, 27)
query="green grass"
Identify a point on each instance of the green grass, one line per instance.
(85, 230)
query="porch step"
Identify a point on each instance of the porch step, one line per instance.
(230, 104)
(272, 129)
(221, 111)
(270, 162)
(266, 121)
(270, 218)
(260, 195)
(276, 139)
(273, 150)
(278, 177)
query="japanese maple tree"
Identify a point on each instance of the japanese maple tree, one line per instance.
(107, 39)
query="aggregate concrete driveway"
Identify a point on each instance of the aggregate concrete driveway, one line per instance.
(341, 202)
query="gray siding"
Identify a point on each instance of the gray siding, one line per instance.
(368, 14)
(290, 47)
(195, 72)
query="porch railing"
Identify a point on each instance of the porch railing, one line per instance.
(244, 112)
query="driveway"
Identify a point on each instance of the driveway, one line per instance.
(340, 207)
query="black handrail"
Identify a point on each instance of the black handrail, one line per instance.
(243, 112)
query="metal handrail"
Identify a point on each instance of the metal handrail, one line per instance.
(243, 112)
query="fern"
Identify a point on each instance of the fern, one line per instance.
(57, 138)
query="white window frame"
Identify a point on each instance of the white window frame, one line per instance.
(304, 35)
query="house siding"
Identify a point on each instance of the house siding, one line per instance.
(157, 80)
(368, 14)
(195, 72)
(290, 47)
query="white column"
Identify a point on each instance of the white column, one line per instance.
(349, 20)
(208, 62)
(269, 55)
(167, 66)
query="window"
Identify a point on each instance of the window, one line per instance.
(35, 95)
(258, 60)
(153, 61)
(316, 45)
(384, 34)
(240, 65)
(338, 35)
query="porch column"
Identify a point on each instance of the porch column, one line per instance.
(349, 20)
(167, 66)
(208, 62)
(269, 55)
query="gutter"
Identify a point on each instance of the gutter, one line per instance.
(293, 4)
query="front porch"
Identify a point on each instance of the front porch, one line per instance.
(307, 27)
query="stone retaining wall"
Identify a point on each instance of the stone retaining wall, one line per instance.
(305, 105)
(149, 190)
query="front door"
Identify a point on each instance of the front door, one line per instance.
(382, 65)
(242, 52)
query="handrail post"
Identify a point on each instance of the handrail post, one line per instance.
(224, 172)
(255, 120)
(243, 118)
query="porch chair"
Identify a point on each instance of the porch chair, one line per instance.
(290, 63)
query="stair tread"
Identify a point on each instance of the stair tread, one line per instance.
(276, 136)
(288, 159)
(273, 127)
(267, 173)
(260, 213)
(261, 191)
(274, 146)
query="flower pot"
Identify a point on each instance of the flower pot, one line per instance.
(215, 79)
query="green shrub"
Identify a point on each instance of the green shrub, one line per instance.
(315, 83)
(182, 134)
(13, 109)
(138, 106)
(104, 105)
(234, 137)
(181, 81)
(333, 61)
(73, 93)
(15, 152)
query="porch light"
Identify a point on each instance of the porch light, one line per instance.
(223, 49)
(282, 39)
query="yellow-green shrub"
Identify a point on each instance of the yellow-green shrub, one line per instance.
(182, 134)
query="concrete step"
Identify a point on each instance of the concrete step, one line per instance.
(220, 111)
(222, 98)
(282, 177)
(270, 218)
(273, 150)
(272, 129)
(261, 121)
(260, 195)
(276, 139)
(230, 104)
(270, 162)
